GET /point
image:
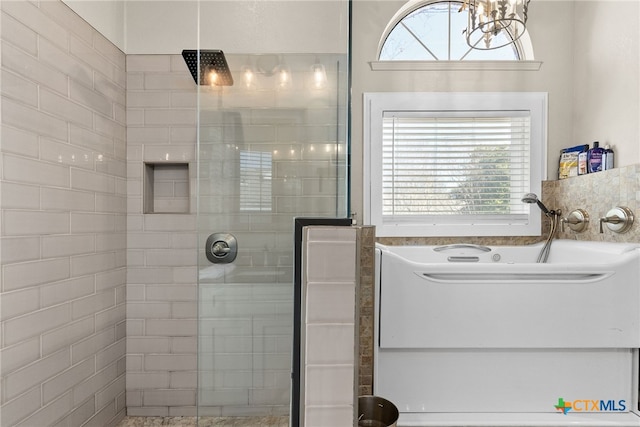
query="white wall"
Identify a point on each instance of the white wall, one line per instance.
(106, 16)
(161, 27)
(167, 27)
(606, 84)
(238, 26)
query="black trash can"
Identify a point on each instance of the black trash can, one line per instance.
(374, 411)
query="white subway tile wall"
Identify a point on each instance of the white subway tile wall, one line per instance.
(329, 331)
(161, 253)
(245, 348)
(63, 207)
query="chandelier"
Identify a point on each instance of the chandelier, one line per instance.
(489, 18)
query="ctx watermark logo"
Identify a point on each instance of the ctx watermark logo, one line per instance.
(590, 405)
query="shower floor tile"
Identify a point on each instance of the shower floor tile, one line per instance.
(269, 421)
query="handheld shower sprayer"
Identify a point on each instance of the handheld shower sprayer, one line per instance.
(553, 215)
(532, 198)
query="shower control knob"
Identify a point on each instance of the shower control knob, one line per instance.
(577, 220)
(221, 248)
(619, 220)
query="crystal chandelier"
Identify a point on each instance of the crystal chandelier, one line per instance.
(489, 18)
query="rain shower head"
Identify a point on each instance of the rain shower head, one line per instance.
(208, 67)
(532, 198)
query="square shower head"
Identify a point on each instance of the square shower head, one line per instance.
(211, 61)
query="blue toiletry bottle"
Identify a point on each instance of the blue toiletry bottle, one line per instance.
(594, 158)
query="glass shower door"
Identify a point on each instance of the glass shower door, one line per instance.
(272, 147)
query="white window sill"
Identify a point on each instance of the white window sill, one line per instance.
(455, 65)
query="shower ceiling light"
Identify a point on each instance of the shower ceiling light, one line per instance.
(488, 18)
(208, 67)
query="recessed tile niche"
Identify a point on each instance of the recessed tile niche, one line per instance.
(166, 188)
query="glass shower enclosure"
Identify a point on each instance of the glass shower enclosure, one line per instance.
(272, 146)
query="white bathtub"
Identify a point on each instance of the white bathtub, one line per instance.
(485, 336)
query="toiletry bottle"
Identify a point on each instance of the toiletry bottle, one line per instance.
(582, 163)
(594, 158)
(607, 158)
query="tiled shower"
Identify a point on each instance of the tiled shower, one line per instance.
(100, 235)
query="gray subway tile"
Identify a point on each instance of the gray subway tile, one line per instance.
(19, 355)
(62, 107)
(20, 141)
(170, 362)
(21, 407)
(32, 171)
(89, 98)
(89, 305)
(88, 347)
(32, 375)
(147, 380)
(29, 67)
(79, 415)
(169, 397)
(92, 263)
(39, 322)
(67, 245)
(66, 380)
(19, 35)
(110, 317)
(49, 413)
(66, 335)
(19, 302)
(109, 393)
(111, 354)
(94, 383)
(170, 327)
(18, 88)
(19, 196)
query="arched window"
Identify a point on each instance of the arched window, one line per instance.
(433, 31)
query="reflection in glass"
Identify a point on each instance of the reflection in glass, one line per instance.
(255, 181)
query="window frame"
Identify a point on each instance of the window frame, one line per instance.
(376, 104)
(523, 45)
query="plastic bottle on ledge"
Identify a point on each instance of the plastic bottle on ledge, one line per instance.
(594, 158)
(607, 159)
(582, 163)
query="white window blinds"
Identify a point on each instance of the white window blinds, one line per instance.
(471, 163)
(453, 163)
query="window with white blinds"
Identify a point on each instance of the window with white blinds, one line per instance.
(255, 181)
(455, 170)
